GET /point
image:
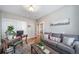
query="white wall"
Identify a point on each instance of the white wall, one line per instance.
(71, 12)
(31, 29)
(19, 23)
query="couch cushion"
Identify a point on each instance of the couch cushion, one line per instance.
(53, 43)
(65, 48)
(68, 41)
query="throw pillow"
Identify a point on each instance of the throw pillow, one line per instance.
(56, 39)
(68, 41)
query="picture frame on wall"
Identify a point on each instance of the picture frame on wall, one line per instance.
(62, 22)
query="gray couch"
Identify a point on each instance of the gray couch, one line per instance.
(61, 47)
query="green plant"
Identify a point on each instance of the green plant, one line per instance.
(41, 42)
(10, 30)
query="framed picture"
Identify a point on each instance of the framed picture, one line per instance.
(61, 22)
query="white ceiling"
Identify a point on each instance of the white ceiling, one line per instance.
(20, 10)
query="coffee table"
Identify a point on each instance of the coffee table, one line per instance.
(35, 49)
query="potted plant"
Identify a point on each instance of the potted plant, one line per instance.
(41, 44)
(10, 33)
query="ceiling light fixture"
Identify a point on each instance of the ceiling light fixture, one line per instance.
(31, 8)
